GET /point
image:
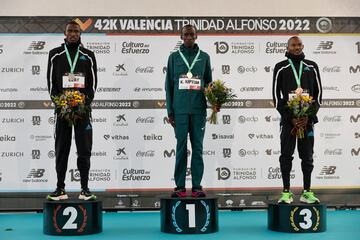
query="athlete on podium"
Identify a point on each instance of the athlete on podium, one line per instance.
(188, 72)
(72, 67)
(293, 77)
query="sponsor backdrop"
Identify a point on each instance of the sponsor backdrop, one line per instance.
(134, 146)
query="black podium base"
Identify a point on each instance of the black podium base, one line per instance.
(72, 217)
(297, 218)
(189, 215)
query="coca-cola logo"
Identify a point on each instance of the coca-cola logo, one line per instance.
(335, 118)
(333, 69)
(147, 69)
(332, 152)
(145, 120)
(148, 153)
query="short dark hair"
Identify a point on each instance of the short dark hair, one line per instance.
(188, 25)
(72, 22)
(291, 38)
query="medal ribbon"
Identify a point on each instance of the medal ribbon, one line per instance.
(71, 63)
(187, 63)
(297, 76)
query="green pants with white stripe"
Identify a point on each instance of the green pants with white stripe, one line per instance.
(194, 125)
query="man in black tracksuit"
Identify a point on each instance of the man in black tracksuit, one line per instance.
(288, 80)
(66, 63)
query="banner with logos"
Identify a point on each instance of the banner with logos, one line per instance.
(134, 145)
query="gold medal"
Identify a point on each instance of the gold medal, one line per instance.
(71, 77)
(189, 75)
(299, 91)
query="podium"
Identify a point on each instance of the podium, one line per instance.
(189, 215)
(297, 218)
(72, 217)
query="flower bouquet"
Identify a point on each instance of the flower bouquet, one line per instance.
(71, 105)
(217, 94)
(301, 106)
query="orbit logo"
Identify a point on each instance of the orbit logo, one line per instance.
(223, 173)
(221, 47)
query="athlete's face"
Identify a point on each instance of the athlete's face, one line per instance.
(188, 35)
(72, 33)
(295, 46)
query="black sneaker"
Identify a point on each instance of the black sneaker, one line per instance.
(179, 192)
(198, 192)
(58, 194)
(85, 194)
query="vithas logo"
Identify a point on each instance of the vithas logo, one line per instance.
(36, 173)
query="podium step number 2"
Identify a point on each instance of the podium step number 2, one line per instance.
(72, 217)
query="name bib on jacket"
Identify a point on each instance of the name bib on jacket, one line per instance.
(192, 83)
(73, 80)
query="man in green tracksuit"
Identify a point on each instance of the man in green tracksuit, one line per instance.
(188, 72)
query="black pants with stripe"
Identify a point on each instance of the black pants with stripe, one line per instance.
(83, 139)
(305, 148)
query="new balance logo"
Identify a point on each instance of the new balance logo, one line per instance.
(325, 45)
(36, 173)
(36, 45)
(328, 170)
